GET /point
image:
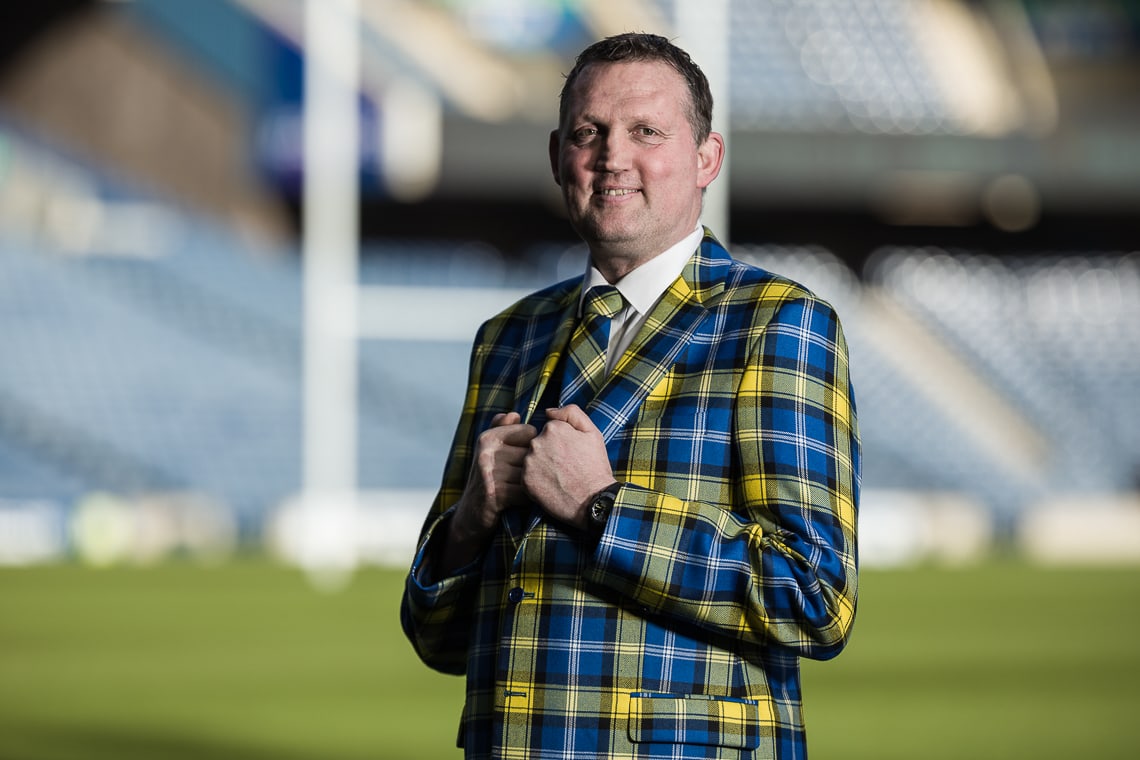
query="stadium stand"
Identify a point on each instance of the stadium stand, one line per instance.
(148, 350)
(871, 66)
(182, 371)
(1055, 335)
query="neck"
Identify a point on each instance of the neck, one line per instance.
(615, 262)
(613, 269)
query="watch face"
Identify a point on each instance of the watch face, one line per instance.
(600, 509)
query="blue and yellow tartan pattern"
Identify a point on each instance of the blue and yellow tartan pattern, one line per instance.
(585, 365)
(730, 552)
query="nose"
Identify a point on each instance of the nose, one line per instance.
(613, 152)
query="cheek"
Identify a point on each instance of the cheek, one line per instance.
(668, 170)
(672, 185)
(575, 166)
(574, 179)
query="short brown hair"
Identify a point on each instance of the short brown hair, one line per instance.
(639, 46)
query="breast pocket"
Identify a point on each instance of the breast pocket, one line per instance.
(694, 719)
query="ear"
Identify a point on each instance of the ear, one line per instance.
(710, 156)
(554, 149)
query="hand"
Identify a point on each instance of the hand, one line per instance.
(567, 465)
(493, 485)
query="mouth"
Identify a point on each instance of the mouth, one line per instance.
(615, 192)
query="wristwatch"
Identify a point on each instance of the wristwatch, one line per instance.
(602, 504)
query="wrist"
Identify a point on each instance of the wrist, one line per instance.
(462, 543)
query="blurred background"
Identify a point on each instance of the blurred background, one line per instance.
(235, 320)
(961, 179)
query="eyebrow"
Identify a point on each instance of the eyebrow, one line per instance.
(636, 119)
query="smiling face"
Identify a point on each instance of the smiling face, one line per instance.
(630, 169)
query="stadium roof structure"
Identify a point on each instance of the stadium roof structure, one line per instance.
(919, 112)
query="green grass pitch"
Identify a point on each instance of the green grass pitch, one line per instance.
(246, 662)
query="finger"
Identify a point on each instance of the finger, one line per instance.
(518, 435)
(506, 436)
(512, 474)
(573, 415)
(506, 418)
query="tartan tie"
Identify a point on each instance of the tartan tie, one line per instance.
(585, 367)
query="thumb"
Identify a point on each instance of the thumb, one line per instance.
(573, 415)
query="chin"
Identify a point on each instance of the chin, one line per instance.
(611, 234)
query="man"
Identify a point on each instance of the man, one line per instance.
(634, 571)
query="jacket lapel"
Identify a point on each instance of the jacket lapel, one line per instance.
(541, 351)
(668, 329)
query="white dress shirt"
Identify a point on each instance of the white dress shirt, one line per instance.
(642, 289)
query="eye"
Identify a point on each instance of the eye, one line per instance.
(583, 134)
(647, 135)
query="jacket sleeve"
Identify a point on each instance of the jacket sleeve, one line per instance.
(437, 613)
(777, 566)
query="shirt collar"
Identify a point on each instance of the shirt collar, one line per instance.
(642, 287)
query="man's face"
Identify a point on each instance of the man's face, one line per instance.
(630, 170)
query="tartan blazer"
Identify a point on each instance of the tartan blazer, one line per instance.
(730, 551)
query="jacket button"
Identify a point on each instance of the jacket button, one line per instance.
(515, 595)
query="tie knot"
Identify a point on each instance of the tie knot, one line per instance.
(603, 300)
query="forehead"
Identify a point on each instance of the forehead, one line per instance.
(608, 87)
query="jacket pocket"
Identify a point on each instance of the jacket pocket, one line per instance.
(694, 719)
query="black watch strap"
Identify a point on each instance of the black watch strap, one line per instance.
(602, 504)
